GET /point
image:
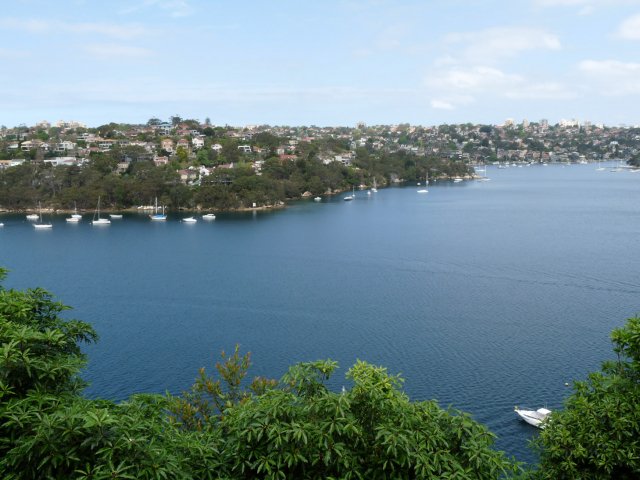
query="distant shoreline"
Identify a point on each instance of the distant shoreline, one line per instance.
(280, 206)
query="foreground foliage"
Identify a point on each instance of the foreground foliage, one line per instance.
(292, 428)
(597, 435)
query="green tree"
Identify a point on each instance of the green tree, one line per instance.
(182, 156)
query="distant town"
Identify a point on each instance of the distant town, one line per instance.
(221, 165)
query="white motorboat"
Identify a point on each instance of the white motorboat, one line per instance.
(33, 216)
(317, 199)
(533, 417)
(115, 216)
(208, 216)
(457, 180)
(189, 220)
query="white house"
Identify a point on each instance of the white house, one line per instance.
(197, 142)
(65, 146)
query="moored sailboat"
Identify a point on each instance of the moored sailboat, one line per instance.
(158, 216)
(96, 217)
(75, 216)
(41, 225)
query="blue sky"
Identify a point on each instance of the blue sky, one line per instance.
(327, 62)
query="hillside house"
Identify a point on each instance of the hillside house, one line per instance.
(197, 142)
(159, 161)
(183, 143)
(64, 146)
(167, 145)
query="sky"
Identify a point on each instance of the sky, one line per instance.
(325, 63)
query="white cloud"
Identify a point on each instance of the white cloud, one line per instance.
(391, 37)
(495, 44)
(111, 50)
(175, 8)
(38, 26)
(461, 86)
(588, 6)
(561, 3)
(612, 77)
(441, 104)
(471, 79)
(11, 53)
(630, 28)
(542, 91)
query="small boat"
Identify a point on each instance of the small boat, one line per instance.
(426, 182)
(75, 216)
(484, 177)
(189, 220)
(317, 199)
(96, 217)
(533, 417)
(1, 224)
(156, 215)
(115, 216)
(350, 197)
(374, 189)
(33, 216)
(208, 216)
(40, 225)
(457, 180)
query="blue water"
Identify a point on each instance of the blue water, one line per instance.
(483, 295)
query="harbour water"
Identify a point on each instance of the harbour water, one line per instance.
(483, 295)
